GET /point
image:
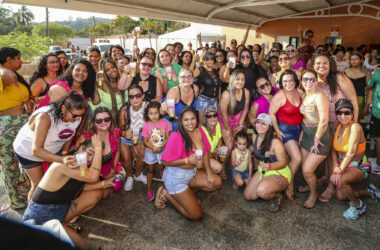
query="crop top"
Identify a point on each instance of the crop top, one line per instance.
(260, 156)
(208, 83)
(343, 145)
(150, 93)
(290, 114)
(310, 114)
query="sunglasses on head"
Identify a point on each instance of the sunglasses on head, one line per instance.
(212, 116)
(262, 86)
(137, 96)
(147, 64)
(245, 57)
(346, 113)
(99, 121)
(74, 116)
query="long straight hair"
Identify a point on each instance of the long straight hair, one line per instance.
(232, 90)
(185, 136)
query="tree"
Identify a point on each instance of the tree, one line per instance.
(7, 23)
(57, 32)
(23, 16)
(123, 24)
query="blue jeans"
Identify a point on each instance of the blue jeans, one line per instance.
(152, 158)
(177, 179)
(202, 103)
(244, 174)
(173, 123)
(42, 213)
(129, 141)
(291, 132)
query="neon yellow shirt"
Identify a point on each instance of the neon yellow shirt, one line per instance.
(215, 139)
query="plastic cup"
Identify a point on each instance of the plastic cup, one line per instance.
(171, 107)
(197, 65)
(135, 135)
(223, 153)
(232, 59)
(132, 66)
(199, 155)
(168, 71)
(138, 31)
(118, 181)
(82, 163)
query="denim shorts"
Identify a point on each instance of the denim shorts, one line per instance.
(202, 103)
(42, 213)
(177, 179)
(129, 141)
(152, 158)
(27, 164)
(244, 174)
(291, 132)
(173, 123)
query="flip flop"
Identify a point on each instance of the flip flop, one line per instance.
(160, 197)
(324, 197)
(309, 205)
(289, 195)
(303, 189)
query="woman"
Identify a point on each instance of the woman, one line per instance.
(110, 96)
(163, 66)
(171, 49)
(149, 83)
(274, 67)
(293, 56)
(350, 163)
(14, 93)
(48, 69)
(214, 136)
(150, 53)
(262, 97)
(49, 131)
(341, 64)
(62, 59)
(103, 124)
(185, 94)
(181, 175)
(208, 82)
(359, 77)
(315, 139)
(64, 193)
(287, 119)
(186, 60)
(284, 63)
(114, 52)
(273, 175)
(122, 61)
(371, 61)
(234, 105)
(307, 45)
(94, 57)
(221, 59)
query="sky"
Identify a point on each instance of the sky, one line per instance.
(56, 14)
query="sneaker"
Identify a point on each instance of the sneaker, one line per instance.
(128, 184)
(375, 191)
(151, 195)
(354, 211)
(141, 178)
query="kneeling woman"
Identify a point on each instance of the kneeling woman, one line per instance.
(273, 175)
(64, 193)
(181, 167)
(351, 165)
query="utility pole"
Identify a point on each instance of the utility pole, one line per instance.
(47, 22)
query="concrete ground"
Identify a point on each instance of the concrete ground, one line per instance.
(126, 220)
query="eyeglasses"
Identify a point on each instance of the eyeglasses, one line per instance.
(53, 62)
(290, 50)
(306, 79)
(147, 64)
(346, 113)
(186, 77)
(245, 57)
(212, 116)
(99, 121)
(74, 116)
(218, 55)
(262, 86)
(137, 96)
(283, 58)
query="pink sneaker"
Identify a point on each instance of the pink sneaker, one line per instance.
(151, 195)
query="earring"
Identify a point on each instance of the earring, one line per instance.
(61, 114)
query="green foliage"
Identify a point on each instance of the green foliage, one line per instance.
(57, 32)
(7, 23)
(24, 29)
(30, 46)
(23, 16)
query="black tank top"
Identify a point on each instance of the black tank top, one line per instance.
(359, 85)
(151, 91)
(208, 83)
(239, 104)
(180, 97)
(260, 156)
(46, 90)
(68, 192)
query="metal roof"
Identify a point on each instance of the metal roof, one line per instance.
(233, 13)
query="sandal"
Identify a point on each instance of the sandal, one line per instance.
(289, 195)
(160, 197)
(308, 204)
(322, 180)
(327, 195)
(275, 206)
(303, 189)
(76, 227)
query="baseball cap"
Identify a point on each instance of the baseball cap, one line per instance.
(210, 109)
(267, 119)
(343, 103)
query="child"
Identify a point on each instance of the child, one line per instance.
(155, 136)
(241, 161)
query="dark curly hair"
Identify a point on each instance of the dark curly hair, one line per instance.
(332, 76)
(108, 53)
(41, 68)
(71, 100)
(289, 72)
(57, 53)
(151, 105)
(255, 92)
(88, 86)
(224, 54)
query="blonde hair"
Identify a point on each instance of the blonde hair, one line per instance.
(231, 89)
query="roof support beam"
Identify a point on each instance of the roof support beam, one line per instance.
(289, 8)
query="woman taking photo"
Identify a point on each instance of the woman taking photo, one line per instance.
(315, 139)
(350, 163)
(273, 175)
(287, 119)
(62, 59)
(94, 57)
(49, 130)
(14, 93)
(64, 193)
(48, 69)
(166, 71)
(182, 177)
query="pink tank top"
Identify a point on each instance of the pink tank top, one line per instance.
(332, 99)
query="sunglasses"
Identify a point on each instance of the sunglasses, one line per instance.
(262, 86)
(99, 121)
(305, 79)
(290, 50)
(283, 59)
(212, 116)
(233, 42)
(74, 116)
(245, 57)
(208, 59)
(137, 96)
(218, 55)
(275, 51)
(346, 113)
(147, 64)
(149, 53)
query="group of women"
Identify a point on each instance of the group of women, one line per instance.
(95, 117)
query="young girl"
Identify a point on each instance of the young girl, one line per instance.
(131, 119)
(241, 161)
(155, 136)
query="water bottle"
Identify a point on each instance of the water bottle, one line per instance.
(7, 212)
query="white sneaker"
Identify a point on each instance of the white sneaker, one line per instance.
(141, 178)
(128, 184)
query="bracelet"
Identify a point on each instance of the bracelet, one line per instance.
(187, 161)
(65, 152)
(103, 185)
(271, 167)
(98, 148)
